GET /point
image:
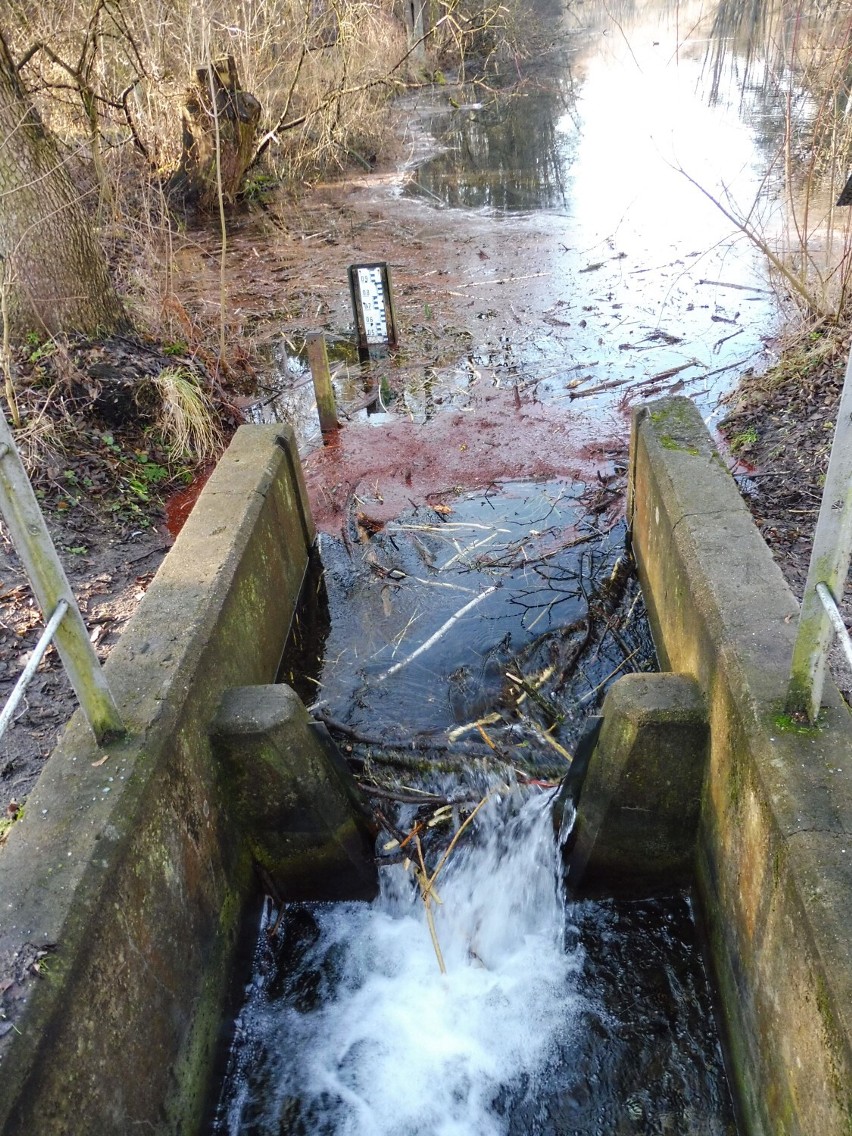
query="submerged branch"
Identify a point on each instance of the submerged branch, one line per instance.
(439, 634)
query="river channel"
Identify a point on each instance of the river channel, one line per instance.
(558, 259)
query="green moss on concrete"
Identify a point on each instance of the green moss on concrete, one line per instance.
(776, 917)
(789, 724)
(141, 889)
(193, 1073)
(670, 443)
(638, 813)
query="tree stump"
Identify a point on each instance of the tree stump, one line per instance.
(216, 100)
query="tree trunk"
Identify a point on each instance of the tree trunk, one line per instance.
(52, 268)
(234, 117)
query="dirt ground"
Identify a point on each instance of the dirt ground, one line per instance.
(287, 276)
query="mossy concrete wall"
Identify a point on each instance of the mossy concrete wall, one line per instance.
(122, 887)
(775, 837)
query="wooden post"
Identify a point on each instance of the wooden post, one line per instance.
(829, 566)
(318, 361)
(413, 11)
(33, 545)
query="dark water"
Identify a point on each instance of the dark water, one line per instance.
(535, 562)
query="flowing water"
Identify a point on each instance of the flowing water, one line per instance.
(553, 1016)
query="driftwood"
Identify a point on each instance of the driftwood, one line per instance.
(216, 105)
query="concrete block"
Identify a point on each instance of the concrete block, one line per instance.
(296, 801)
(639, 805)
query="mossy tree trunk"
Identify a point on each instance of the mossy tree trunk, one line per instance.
(52, 268)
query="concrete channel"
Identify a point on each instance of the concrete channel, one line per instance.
(123, 887)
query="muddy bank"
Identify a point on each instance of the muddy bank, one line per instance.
(779, 428)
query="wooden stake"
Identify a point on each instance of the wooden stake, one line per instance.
(318, 362)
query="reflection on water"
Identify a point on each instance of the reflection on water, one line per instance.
(792, 59)
(627, 100)
(504, 154)
(625, 149)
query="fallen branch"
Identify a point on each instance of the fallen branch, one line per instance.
(409, 798)
(472, 749)
(439, 634)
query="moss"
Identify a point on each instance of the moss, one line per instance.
(194, 1068)
(789, 724)
(736, 781)
(670, 443)
(825, 1006)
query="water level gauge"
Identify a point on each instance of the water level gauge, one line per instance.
(372, 302)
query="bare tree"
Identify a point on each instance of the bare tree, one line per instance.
(52, 270)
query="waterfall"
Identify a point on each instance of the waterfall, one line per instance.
(368, 1037)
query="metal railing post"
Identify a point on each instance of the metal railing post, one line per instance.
(829, 566)
(30, 669)
(34, 546)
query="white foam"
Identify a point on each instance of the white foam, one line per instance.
(399, 1047)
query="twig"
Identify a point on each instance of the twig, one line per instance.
(409, 798)
(742, 287)
(611, 385)
(472, 749)
(506, 280)
(746, 229)
(603, 682)
(455, 841)
(426, 895)
(433, 639)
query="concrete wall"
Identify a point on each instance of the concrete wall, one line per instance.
(775, 840)
(121, 889)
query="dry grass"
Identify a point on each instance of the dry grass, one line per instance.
(114, 76)
(187, 418)
(110, 80)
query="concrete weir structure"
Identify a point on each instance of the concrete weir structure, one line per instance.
(774, 837)
(121, 890)
(123, 887)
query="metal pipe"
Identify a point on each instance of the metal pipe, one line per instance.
(31, 667)
(828, 602)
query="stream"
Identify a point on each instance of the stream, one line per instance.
(489, 619)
